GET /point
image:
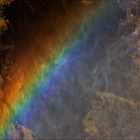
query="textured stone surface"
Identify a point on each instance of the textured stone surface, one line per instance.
(113, 117)
(19, 132)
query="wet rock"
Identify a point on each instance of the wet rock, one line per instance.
(18, 132)
(113, 117)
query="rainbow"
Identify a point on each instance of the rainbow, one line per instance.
(20, 98)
